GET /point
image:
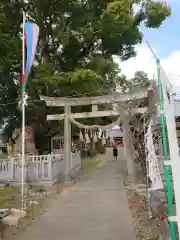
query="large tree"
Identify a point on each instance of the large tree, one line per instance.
(76, 44)
(78, 39)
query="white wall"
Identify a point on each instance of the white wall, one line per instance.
(177, 108)
(115, 133)
(41, 169)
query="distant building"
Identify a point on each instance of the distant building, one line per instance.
(2, 146)
(115, 135)
(57, 143)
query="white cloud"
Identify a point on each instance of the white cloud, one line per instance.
(145, 61)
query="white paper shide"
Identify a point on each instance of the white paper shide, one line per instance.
(153, 168)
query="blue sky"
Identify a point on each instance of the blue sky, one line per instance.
(165, 42)
(167, 38)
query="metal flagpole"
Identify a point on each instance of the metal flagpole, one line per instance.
(165, 148)
(23, 114)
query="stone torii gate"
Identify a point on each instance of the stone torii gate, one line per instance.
(126, 101)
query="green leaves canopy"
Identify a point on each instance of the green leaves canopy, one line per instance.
(77, 41)
(78, 34)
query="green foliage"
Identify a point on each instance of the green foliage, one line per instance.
(100, 148)
(154, 20)
(72, 31)
(77, 40)
(80, 81)
(10, 46)
(90, 163)
(77, 37)
(140, 79)
(92, 153)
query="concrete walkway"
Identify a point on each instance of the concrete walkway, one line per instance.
(95, 208)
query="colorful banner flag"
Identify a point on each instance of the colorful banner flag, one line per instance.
(31, 31)
(31, 38)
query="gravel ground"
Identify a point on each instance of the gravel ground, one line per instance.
(147, 227)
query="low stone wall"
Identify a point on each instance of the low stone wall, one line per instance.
(40, 169)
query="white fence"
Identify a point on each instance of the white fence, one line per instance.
(40, 169)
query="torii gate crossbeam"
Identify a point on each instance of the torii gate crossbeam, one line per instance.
(126, 101)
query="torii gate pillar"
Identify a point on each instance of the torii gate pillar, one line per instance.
(127, 141)
(67, 143)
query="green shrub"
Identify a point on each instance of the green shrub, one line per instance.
(90, 163)
(83, 153)
(92, 153)
(100, 148)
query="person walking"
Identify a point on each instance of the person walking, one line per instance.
(115, 153)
